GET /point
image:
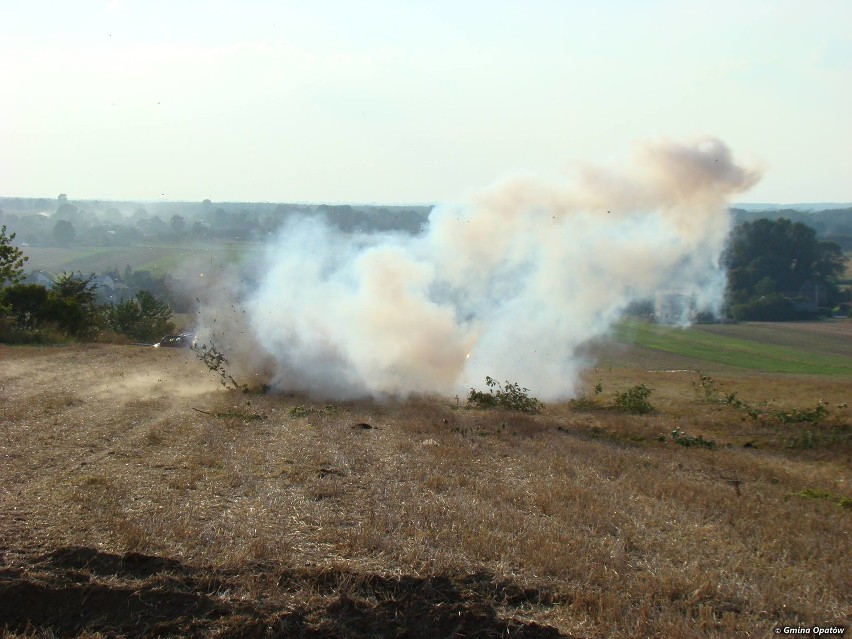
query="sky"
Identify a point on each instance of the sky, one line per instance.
(411, 102)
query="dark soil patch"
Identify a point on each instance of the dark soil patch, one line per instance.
(75, 590)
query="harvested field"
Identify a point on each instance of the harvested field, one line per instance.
(138, 498)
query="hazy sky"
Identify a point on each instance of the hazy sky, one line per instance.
(404, 101)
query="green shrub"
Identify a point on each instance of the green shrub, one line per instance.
(24, 302)
(511, 397)
(144, 317)
(804, 415)
(768, 308)
(634, 400)
(812, 493)
(689, 441)
(707, 391)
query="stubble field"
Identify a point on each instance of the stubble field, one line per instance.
(137, 498)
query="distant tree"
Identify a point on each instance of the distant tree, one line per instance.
(770, 261)
(831, 262)
(66, 211)
(221, 218)
(178, 224)
(11, 259)
(199, 229)
(154, 224)
(64, 232)
(62, 199)
(113, 215)
(146, 281)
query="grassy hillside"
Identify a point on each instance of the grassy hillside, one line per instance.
(140, 499)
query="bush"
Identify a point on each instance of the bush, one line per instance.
(804, 415)
(813, 493)
(143, 318)
(769, 308)
(24, 303)
(689, 441)
(72, 306)
(69, 316)
(510, 397)
(69, 307)
(12, 333)
(634, 400)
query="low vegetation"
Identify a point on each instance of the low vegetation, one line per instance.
(634, 400)
(687, 441)
(809, 493)
(708, 391)
(70, 310)
(510, 396)
(148, 502)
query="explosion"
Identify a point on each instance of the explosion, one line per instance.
(510, 282)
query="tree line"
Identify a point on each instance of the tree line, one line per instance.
(778, 270)
(63, 223)
(32, 313)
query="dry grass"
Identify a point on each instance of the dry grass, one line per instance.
(283, 514)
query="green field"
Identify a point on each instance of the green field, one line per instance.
(159, 259)
(767, 348)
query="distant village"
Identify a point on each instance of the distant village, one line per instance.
(64, 222)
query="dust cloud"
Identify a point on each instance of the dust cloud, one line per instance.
(510, 282)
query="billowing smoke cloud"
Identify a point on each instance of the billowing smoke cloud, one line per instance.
(509, 283)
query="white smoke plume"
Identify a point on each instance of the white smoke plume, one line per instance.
(509, 283)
